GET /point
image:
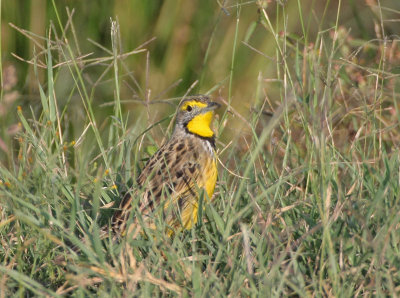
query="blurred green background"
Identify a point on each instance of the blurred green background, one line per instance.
(223, 44)
(314, 188)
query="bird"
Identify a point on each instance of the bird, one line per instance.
(182, 171)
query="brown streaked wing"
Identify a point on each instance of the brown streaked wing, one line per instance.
(167, 172)
(171, 173)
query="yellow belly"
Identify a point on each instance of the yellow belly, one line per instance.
(209, 180)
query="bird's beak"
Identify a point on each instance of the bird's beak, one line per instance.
(212, 106)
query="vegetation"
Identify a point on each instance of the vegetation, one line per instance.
(307, 202)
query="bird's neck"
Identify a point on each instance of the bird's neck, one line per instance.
(200, 125)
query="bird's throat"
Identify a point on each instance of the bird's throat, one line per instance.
(200, 125)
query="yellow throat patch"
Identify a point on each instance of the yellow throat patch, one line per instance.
(200, 125)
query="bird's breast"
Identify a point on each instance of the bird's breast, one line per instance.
(210, 176)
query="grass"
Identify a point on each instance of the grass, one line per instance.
(307, 202)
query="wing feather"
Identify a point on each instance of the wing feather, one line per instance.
(169, 180)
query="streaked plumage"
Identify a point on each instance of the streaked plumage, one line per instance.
(181, 171)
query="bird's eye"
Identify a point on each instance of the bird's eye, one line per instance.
(189, 108)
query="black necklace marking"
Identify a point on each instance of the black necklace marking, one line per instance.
(211, 140)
